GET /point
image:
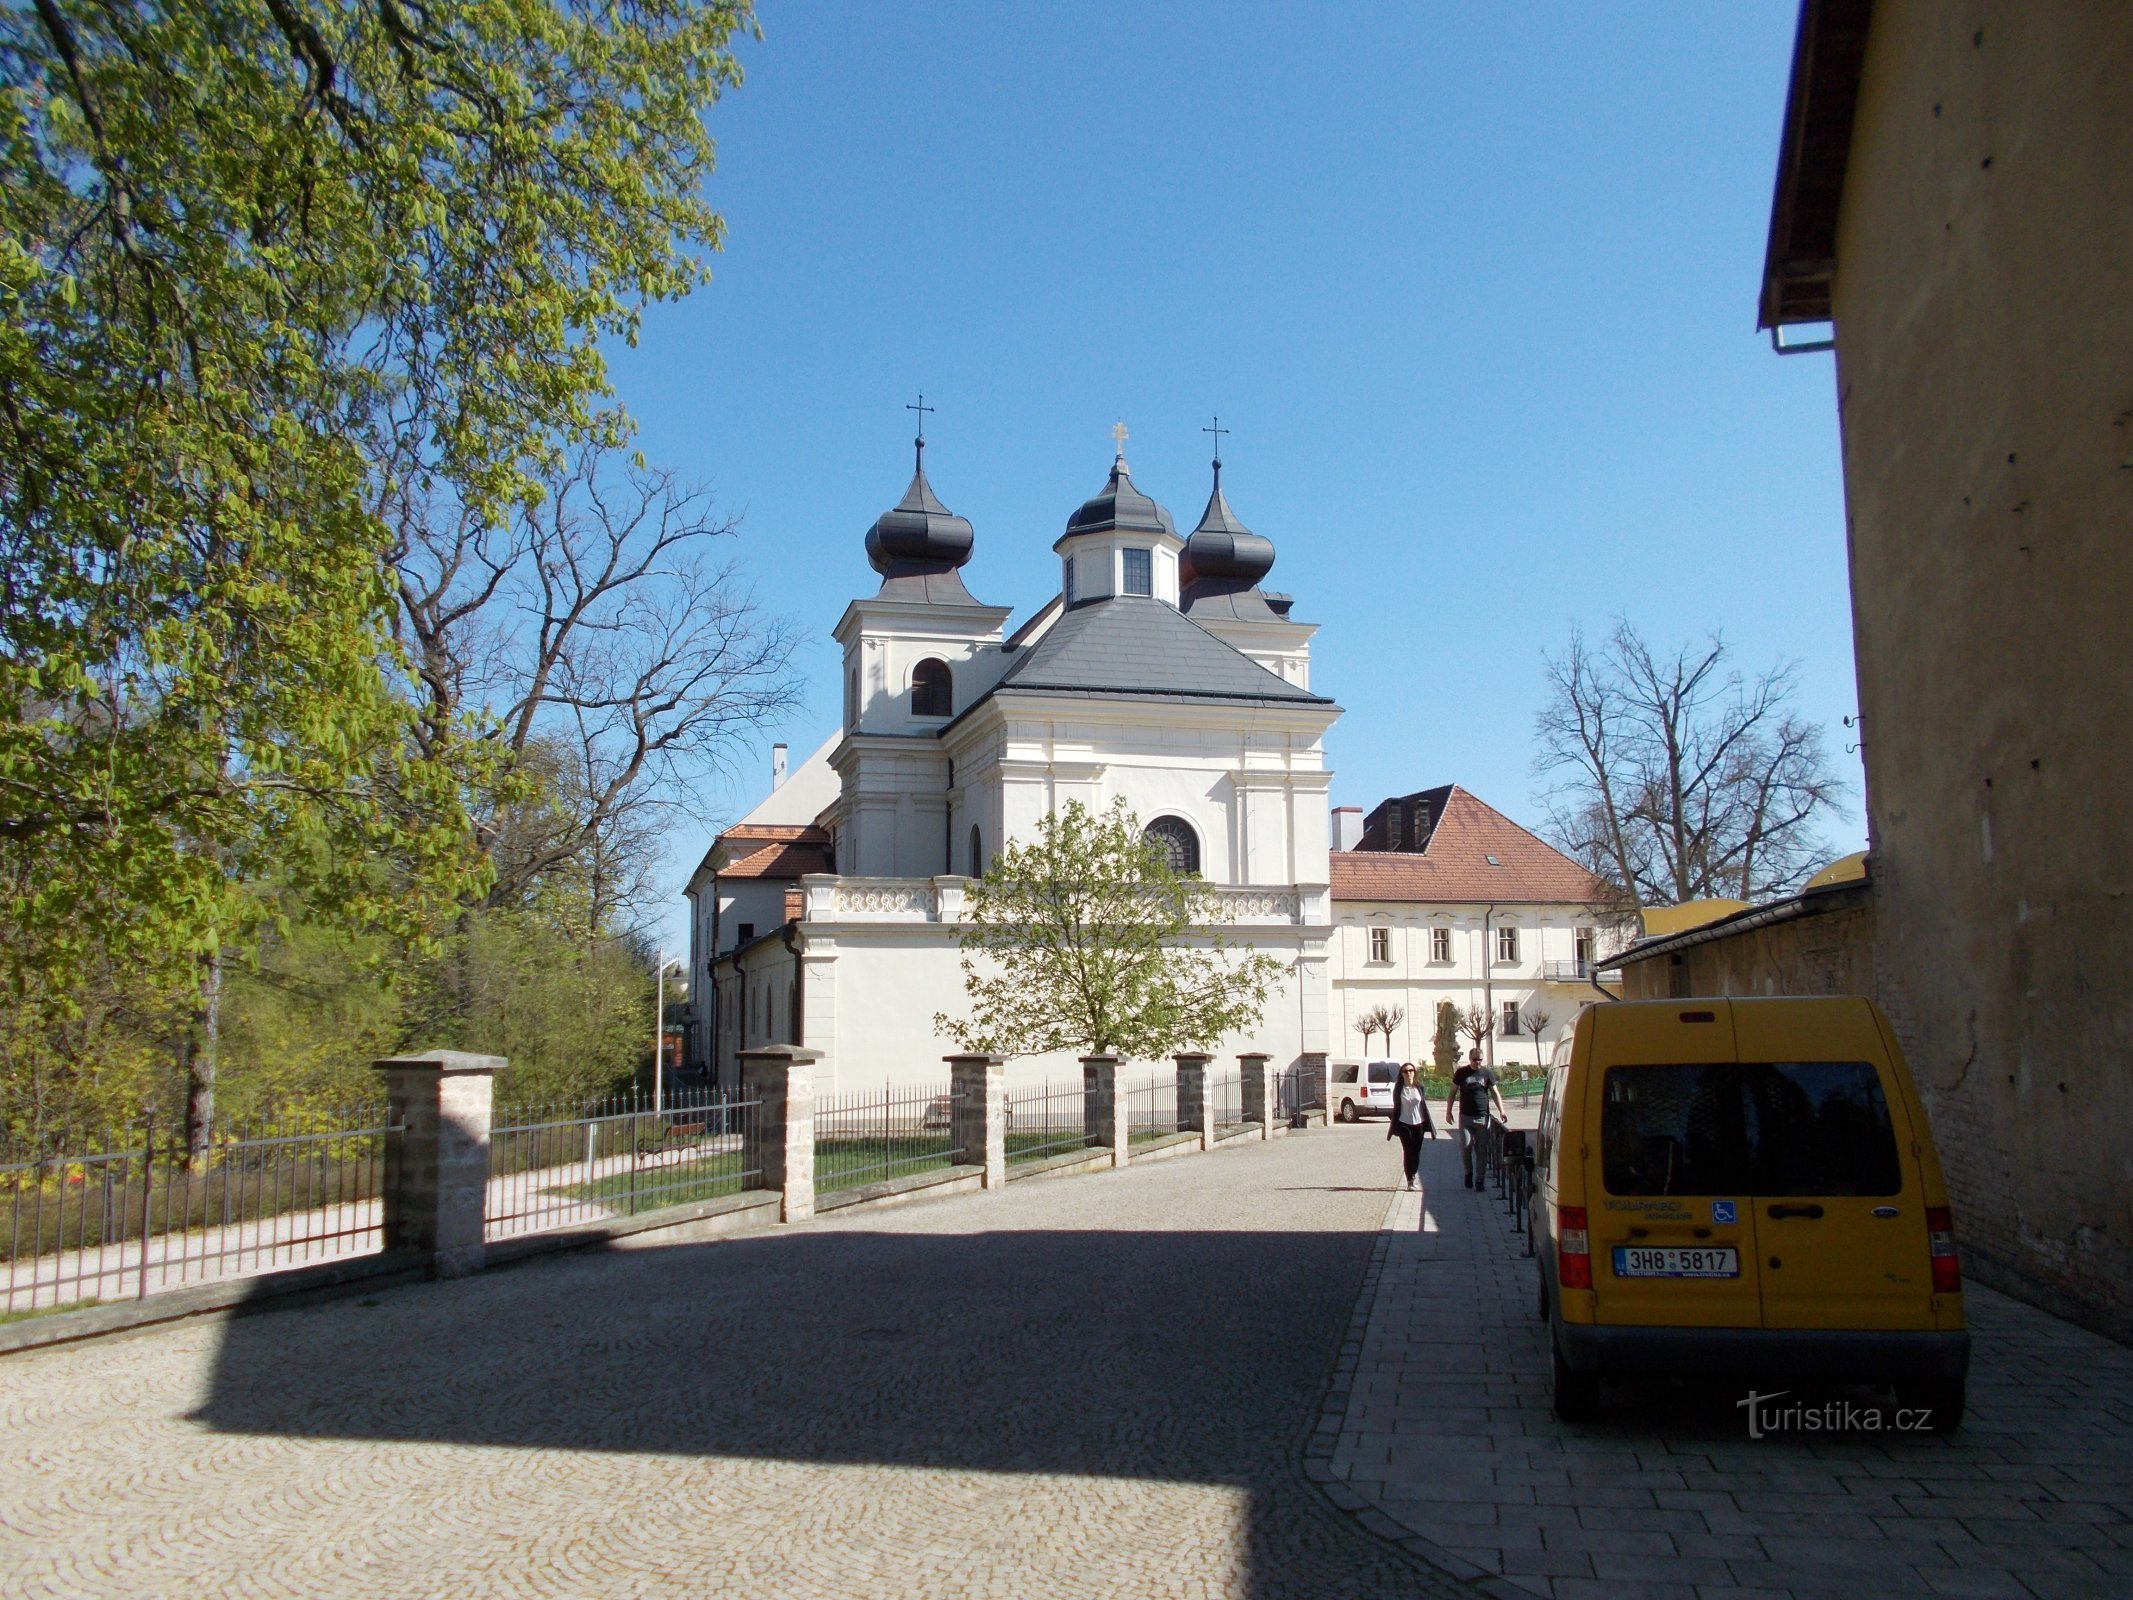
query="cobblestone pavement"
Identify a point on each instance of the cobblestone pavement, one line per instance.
(1090, 1386)
(1445, 1429)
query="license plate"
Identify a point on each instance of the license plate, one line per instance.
(1671, 1261)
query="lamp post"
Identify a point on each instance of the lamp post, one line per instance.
(659, 1041)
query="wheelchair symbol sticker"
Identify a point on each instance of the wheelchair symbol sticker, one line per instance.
(1722, 1211)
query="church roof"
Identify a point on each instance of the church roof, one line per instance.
(1224, 563)
(1475, 856)
(917, 544)
(1132, 644)
(1119, 505)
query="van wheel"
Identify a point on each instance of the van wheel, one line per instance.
(1577, 1394)
(1348, 1111)
(1943, 1397)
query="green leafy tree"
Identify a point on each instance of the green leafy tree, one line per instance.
(1444, 1049)
(266, 265)
(1085, 939)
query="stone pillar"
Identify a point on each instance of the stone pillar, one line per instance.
(780, 1079)
(979, 1084)
(439, 1177)
(1103, 1105)
(1256, 1071)
(1195, 1115)
(1314, 1105)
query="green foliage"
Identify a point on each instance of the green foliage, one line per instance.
(1076, 940)
(1444, 1049)
(265, 264)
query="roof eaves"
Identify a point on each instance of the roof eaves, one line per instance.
(1799, 259)
(1807, 903)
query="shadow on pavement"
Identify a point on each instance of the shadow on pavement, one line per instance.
(1186, 1356)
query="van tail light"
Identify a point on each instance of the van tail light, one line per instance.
(1573, 1249)
(1940, 1239)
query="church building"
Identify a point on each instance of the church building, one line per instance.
(1161, 671)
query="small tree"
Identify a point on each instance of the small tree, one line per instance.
(1444, 1049)
(1082, 928)
(1536, 1021)
(1477, 1025)
(1380, 1019)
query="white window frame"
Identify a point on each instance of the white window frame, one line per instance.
(1512, 1022)
(1440, 945)
(1380, 946)
(1507, 946)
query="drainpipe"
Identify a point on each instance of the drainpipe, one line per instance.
(798, 1018)
(1488, 988)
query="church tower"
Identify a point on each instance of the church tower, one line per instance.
(914, 657)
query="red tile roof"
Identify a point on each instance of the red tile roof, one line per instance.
(781, 851)
(1455, 865)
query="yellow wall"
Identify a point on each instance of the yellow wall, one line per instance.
(1984, 311)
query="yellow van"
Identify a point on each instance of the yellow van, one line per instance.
(1745, 1186)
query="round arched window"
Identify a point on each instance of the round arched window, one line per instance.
(932, 691)
(1179, 844)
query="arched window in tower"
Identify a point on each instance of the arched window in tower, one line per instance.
(932, 691)
(977, 852)
(1179, 844)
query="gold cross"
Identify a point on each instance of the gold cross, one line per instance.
(1118, 432)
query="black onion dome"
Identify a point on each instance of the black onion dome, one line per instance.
(1121, 507)
(1224, 550)
(919, 534)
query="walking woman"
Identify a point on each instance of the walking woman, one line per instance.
(1410, 1120)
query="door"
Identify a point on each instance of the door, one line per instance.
(1673, 1235)
(1840, 1216)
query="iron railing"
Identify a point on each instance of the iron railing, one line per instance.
(1152, 1107)
(1225, 1100)
(1047, 1121)
(896, 1131)
(560, 1165)
(134, 1213)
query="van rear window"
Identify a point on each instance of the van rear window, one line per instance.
(1759, 1128)
(1383, 1072)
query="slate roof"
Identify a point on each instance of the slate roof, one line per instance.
(1132, 644)
(1454, 867)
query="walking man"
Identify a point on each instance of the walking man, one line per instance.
(1474, 1095)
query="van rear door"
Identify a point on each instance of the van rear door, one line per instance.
(1673, 1236)
(1839, 1209)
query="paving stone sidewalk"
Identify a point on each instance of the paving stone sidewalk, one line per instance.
(1444, 1430)
(1084, 1387)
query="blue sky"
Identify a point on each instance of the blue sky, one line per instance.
(1473, 286)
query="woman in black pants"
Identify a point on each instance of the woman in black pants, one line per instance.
(1410, 1120)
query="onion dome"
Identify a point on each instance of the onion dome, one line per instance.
(918, 535)
(1223, 550)
(1120, 508)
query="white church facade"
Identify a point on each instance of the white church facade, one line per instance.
(1163, 673)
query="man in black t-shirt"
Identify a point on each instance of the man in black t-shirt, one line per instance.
(1474, 1095)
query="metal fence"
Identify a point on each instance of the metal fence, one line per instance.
(879, 1134)
(555, 1166)
(1292, 1087)
(135, 1213)
(1225, 1100)
(1049, 1121)
(1152, 1107)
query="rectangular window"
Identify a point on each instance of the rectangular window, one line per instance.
(1069, 587)
(1758, 1128)
(743, 934)
(1140, 571)
(1510, 1019)
(1581, 947)
(1381, 944)
(1440, 944)
(1507, 944)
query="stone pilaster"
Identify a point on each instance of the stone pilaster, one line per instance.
(1195, 1115)
(780, 1079)
(1104, 1106)
(979, 1084)
(1256, 1072)
(441, 1101)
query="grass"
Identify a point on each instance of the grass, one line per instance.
(47, 1311)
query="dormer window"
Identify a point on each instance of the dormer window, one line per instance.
(932, 690)
(1138, 571)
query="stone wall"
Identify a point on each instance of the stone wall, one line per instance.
(1828, 951)
(1985, 383)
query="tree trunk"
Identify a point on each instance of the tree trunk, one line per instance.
(202, 1044)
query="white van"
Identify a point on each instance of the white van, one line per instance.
(1363, 1089)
